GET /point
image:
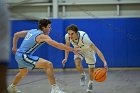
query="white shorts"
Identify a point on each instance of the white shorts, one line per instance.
(89, 56)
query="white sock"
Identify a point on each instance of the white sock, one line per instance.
(13, 85)
(90, 81)
(53, 85)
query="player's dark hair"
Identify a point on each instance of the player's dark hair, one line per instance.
(43, 23)
(73, 28)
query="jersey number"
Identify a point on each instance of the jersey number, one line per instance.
(28, 36)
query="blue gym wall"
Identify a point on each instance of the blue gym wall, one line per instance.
(117, 38)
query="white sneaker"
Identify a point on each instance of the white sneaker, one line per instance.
(90, 88)
(83, 80)
(56, 89)
(13, 89)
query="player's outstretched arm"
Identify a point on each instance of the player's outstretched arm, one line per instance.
(53, 43)
(16, 37)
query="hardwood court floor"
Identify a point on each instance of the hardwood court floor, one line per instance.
(118, 81)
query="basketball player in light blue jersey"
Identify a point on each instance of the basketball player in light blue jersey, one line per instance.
(88, 49)
(26, 61)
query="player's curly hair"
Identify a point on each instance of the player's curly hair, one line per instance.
(72, 27)
(43, 23)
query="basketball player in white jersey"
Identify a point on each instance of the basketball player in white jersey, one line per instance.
(88, 50)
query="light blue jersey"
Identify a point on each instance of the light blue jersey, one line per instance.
(29, 44)
(24, 56)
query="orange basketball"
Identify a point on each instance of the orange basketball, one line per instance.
(100, 74)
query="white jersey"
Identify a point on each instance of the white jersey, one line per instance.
(83, 40)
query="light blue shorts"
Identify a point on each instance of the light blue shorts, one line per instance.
(26, 60)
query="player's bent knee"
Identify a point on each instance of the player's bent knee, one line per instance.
(49, 65)
(78, 62)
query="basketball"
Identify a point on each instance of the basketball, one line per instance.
(100, 74)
